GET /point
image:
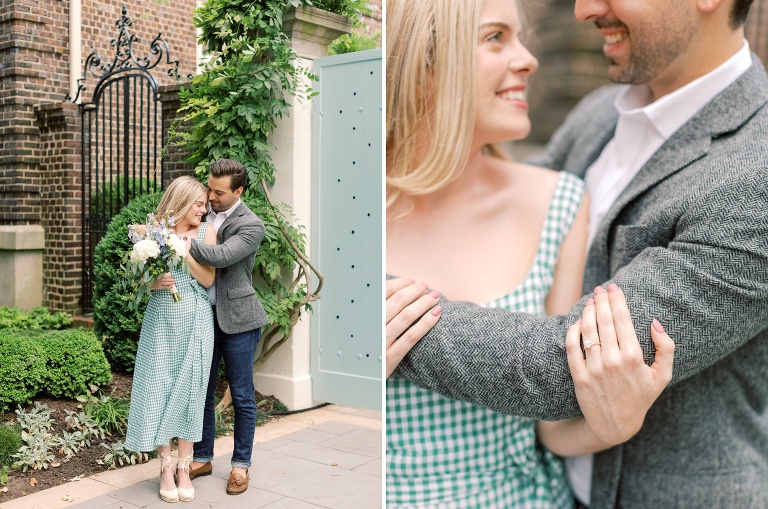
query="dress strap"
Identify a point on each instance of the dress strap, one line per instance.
(563, 207)
(201, 232)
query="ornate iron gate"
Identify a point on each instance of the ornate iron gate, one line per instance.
(121, 138)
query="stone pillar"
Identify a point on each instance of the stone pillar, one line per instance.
(286, 374)
(21, 266)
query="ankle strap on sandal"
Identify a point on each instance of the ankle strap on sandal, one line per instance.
(165, 462)
(184, 463)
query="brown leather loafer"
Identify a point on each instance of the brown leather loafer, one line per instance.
(237, 483)
(206, 469)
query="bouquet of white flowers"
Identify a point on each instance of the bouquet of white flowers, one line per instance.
(156, 250)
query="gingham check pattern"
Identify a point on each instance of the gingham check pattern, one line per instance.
(172, 366)
(451, 454)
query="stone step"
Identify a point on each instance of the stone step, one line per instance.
(82, 322)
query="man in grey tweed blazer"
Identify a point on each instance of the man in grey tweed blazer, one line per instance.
(238, 316)
(687, 241)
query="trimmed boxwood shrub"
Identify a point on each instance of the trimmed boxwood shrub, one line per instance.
(22, 369)
(62, 363)
(115, 324)
(74, 360)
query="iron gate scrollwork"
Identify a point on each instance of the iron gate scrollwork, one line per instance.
(121, 138)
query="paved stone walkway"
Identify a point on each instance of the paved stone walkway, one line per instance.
(325, 458)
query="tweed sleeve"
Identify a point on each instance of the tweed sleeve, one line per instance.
(709, 285)
(512, 363)
(237, 246)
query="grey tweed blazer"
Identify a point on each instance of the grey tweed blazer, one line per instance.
(687, 240)
(238, 309)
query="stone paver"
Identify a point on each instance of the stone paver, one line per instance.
(281, 470)
(335, 488)
(371, 468)
(359, 441)
(325, 458)
(322, 454)
(292, 503)
(310, 436)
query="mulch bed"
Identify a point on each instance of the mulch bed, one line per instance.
(83, 465)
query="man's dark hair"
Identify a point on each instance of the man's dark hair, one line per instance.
(230, 168)
(739, 12)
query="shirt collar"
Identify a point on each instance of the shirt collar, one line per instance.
(670, 112)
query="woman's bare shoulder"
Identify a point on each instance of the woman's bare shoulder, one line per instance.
(539, 173)
(530, 178)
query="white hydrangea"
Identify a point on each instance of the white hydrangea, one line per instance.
(144, 250)
(177, 245)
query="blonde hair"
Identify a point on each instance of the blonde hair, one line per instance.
(431, 46)
(179, 197)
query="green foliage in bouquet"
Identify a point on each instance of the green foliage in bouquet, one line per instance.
(155, 251)
(114, 322)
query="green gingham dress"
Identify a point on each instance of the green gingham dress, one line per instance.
(452, 454)
(173, 361)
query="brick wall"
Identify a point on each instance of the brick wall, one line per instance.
(40, 167)
(32, 70)
(61, 204)
(372, 21)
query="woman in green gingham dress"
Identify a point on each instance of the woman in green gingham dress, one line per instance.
(173, 360)
(447, 453)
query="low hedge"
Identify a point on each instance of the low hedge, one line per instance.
(75, 360)
(22, 369)
(62, 363)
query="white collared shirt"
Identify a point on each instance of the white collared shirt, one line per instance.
(216, 219)
(641, 130)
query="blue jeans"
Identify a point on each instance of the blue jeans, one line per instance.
(238, 351)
